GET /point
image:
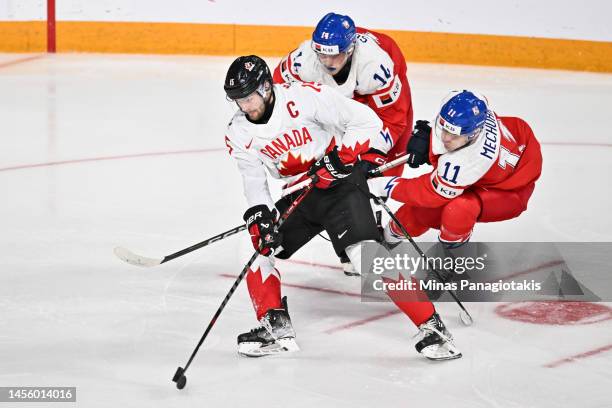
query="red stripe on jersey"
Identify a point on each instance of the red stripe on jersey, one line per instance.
(441, 181)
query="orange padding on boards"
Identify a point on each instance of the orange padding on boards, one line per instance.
(231, 39)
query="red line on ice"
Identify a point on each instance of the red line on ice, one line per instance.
(314, 288)
(315, 264)
(361, 322)
(530, 270)
(345, 326)
(94, 159)
(20, 60)
(131, 156)
(574, 358)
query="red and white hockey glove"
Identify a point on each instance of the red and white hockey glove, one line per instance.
(260, 222)
(329, 170)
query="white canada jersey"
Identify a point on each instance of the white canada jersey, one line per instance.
(371, 67)
(461, 168)
(307, 121)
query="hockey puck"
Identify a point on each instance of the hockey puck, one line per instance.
(180, 384)
(179, 378)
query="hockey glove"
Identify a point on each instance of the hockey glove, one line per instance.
(329, 170)
(418, 145)
(371, 160)
(260, 222)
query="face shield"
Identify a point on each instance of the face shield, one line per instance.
(255, 100)
(450, 136)
(447, 129)
(330, 56)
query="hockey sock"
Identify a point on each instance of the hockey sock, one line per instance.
(264, 289)
(414, 303)
(459, 217)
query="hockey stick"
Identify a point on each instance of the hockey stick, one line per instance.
(179, 377)
(139, 260)
(464, 316)
(372, 173)
(130, 257)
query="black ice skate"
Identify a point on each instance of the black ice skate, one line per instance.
(274, 336)
(437, 342)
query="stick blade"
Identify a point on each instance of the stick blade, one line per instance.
(128, 256)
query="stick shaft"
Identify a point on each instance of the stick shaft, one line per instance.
(418, 249)
(372, 173)
(204, 243)
(244, 271)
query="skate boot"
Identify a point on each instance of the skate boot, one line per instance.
(347, 266)
(392, 236)
(437, 342)
(274, 336)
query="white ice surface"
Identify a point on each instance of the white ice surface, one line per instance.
(72, 314)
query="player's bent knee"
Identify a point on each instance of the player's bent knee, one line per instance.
(412, 220)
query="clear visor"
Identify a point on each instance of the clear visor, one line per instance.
(447, 133)
(336, 61)
(253, 99)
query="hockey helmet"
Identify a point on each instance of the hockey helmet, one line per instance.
(334, 34)
(246, 75)
(463, 113)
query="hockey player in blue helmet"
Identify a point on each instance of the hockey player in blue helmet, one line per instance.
(461, 118)
(334, 41)
(485, 167)
(363, 65)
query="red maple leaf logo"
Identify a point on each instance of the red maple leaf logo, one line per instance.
(294, 164)
(348, 154)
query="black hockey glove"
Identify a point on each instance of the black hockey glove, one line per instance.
(418, 145)
(329, 170)
(371, 160)
(260, 222)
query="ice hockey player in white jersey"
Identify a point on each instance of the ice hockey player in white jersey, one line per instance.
(294, 131)
(363, 65)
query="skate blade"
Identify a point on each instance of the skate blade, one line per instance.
(281, 346)
(347, 273)
(447, 351)
(348, 270)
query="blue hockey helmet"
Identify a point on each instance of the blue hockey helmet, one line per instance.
(334, 34)
(463, 114)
